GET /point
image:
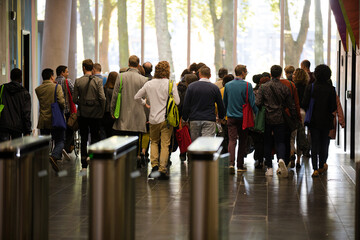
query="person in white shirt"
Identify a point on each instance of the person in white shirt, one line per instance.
(156, 92)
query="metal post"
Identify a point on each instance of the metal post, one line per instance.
(204, 206)
(282, 27)
(357, 201)
(24, 185)
(112, 195)
(188, 32)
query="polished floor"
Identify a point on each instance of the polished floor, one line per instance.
(259, 207)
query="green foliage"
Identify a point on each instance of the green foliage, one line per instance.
(275, 8)
(244, 14)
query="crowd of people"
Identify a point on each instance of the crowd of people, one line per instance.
(133, 103)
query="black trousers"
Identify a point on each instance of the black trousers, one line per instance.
(319, 147)
(87, 125)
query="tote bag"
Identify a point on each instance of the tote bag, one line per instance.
(183, 138)
(72, 121)
(57, 116)
(248, 115)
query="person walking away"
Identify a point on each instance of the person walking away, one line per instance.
(108, 121)
(45, 93)
(15, 118)
(157, 92)
(322, 115)
(90, 97)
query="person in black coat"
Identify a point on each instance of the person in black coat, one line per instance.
(321, 120)
(15, 118)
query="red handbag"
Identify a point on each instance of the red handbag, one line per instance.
(248, 115)
(183, 138)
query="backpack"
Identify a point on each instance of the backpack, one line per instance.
(172, 112)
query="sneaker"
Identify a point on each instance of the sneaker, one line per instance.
(315, 173)
(163, 176)
(66, 155)
(232, 170)
(269, 172)
(282, 170)
(154, 172)
(53, 163)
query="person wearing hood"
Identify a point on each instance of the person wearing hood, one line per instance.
(15, 117)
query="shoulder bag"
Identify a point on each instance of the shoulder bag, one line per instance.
(118, 100)
(57, 116)
(309, 111)
(72, 121)
(248, 115)
(259, 125)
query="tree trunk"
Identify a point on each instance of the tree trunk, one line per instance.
(319, 41)
(228, 25)
(104, 45)
(123, 34)
(162, 33)
(293, 49)
(218, 36)
(87, 27)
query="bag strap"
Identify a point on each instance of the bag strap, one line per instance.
(55, 98)
(170, 87)
(72, 105)
(120, 87)
(1, 92)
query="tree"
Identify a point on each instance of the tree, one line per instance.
(108, 7)
(162, 32)
(123, 34)
(319, 41)
(294, 48)
(87, 27)
(223, 32)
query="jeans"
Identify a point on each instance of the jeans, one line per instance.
(87, 125)
(279, 139)
(319, 147)
(202, 128)
(58, 136)
(235, 130)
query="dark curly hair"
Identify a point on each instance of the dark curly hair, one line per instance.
(322, 73)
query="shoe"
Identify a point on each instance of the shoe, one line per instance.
(183, 157)
(231, 170)
(66, 155)
(72, 147)
(269, 172)
(258, 164)
(282, 170)
(315, 173)
(291, 164)
(324, 169)
(154, 172)
(242, 169)
(298, 165)
(163, 176)
(53, 163)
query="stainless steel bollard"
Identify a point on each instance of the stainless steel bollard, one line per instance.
(112, 188)
(357, 201)
(204, 206)
(224, 199)
(24, 188)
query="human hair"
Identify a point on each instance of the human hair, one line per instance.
(88, 64)
(190, 78)
(97, 67)
(60, 69)
(239, 69)
(141, 69)
(16, 75)
(147, 67)
(289, 69)
(266, 74)
(110, 81)
(162, 70)
(205, 71)
(322, 73)
(275, 71)
(222, 72)
(256, 78)
(186, 71)
(227, 78)
(300, 76)
(305, 63)
(193, 67)
(47, 73)
(133, 61)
